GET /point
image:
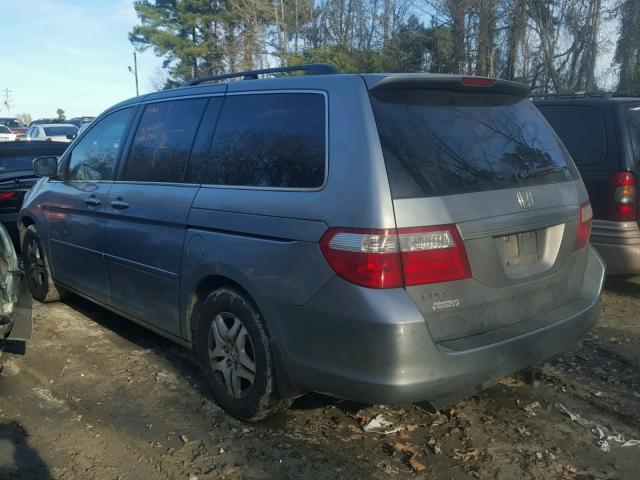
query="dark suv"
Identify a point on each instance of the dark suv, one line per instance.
(602, 134)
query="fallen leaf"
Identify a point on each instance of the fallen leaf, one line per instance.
(416, 465)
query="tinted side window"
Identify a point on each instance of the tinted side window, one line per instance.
(633, 126)
(266, 140)
(95, 154)
(581, 129)
(163, 141)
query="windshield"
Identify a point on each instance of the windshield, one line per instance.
(444, 143)
(60, 131)
(11, 122)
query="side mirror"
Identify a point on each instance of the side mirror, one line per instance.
(46, 166)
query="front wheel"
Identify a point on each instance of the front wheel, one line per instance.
(235, 357)
(36, 268)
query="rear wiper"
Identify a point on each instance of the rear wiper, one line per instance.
(538, 172)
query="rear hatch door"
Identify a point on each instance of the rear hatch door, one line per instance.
(482, 157)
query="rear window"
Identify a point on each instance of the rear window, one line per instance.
(581, 129)
(60, 131)
(4, 129)
(445, 143)
(272, 140)
(633, 127)
(11, 122)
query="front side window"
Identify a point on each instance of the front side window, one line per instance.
(94, 157)
(272, 140)
(163, 141)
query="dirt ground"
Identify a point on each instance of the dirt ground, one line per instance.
(97, 397)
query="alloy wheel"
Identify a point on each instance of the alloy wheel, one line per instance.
(232, 355)
(37, 269)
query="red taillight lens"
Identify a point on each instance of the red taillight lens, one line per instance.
(6, 196)
(364, 257)
(432, 255)
(584, 227)
(49, 139)
(478, 82)
(392, 259)
(623, 205)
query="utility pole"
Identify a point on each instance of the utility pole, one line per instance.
(134, 70)
(6, 102)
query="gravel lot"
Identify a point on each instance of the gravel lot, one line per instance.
(97, 397)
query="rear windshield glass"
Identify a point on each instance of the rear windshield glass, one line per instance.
(16, 163)
(587, 143)
(4, 129)
(11, 122)
(633, 126)
(57, 131)
(444, 143)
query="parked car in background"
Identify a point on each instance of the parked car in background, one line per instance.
(602, 133)
(6, 135)
(387, 238)
(16, 321)
(79, 121)
(60, 132)
(16, 177)
(14, 125)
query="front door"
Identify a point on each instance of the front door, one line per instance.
(76, 212)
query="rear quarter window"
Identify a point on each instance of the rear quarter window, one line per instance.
(581, 129)
(268, 140)
(633, 128)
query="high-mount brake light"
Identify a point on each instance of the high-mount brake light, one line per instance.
(584, 227)
(396, 258)
(623, 203)
(478, 82)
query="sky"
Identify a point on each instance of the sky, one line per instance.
(69, 54)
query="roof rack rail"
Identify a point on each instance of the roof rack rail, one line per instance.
(310, 69)
(582, 94)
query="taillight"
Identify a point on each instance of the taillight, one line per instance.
(584, 227)
(49, 139)
(6, 196)
(396, 258)
(623, 204)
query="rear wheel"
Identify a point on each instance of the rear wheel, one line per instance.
(36, 268)
(234, 354)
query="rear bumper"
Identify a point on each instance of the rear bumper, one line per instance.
(374, 345)
(619, 245)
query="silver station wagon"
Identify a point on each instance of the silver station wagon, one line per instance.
(383, 237)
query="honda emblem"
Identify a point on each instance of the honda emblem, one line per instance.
(525, 198)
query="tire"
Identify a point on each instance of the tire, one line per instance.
(36, 268)
(231, 341)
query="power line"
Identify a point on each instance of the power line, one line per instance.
(68, 99)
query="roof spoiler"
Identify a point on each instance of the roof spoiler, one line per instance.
(456, 83)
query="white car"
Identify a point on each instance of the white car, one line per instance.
(6, 135)
(52, 132)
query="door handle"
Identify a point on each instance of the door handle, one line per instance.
(119, 204)
(92, 201)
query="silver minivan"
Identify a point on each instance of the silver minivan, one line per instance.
(383, 237)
